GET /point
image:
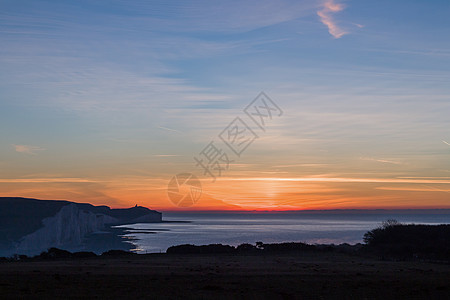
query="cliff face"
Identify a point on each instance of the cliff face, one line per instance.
(67, 229)
(30, 226)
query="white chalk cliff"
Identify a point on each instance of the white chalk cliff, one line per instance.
(66, 229)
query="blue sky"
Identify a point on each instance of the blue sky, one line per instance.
(95, 91)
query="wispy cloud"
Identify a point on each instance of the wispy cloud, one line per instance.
(27, 149)
(301, 165)
(47, 180)
(382, 160)
(325, 14)
(340, 179)
(413, 189)
(446, 143)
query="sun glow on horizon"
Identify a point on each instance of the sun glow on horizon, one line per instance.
(251, 194)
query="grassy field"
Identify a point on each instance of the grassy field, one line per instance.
(283, 276)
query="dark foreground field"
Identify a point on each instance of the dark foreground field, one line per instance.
(282, 276)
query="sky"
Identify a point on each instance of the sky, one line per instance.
(106, 101)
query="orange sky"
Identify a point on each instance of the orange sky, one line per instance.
(261, 193)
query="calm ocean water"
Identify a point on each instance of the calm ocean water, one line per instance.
(235, 229)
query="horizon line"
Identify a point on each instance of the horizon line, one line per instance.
(307, 210)
(179, 210)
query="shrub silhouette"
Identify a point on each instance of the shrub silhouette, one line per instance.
(410, 241)
(55, 253)
(375, 235)
(246, 248)
(283, 247)
(83, 254)
(204, 249)
(118, 253)
(219, 248)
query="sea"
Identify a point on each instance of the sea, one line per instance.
(238, 228)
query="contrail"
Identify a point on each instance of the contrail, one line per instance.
(169, 129)
(446, 143)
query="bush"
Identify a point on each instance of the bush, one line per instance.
(203, 249)
(246, 248)
(83, 254)
(118, 253)
(55, 253)
(374, 235)
(283, 247)
(410, 241)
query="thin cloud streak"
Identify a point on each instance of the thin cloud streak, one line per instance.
(413, 189)
(437, 190)
(338, 179)
(326, 18)
(48, 180)
(26, 149)
(382, 160)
